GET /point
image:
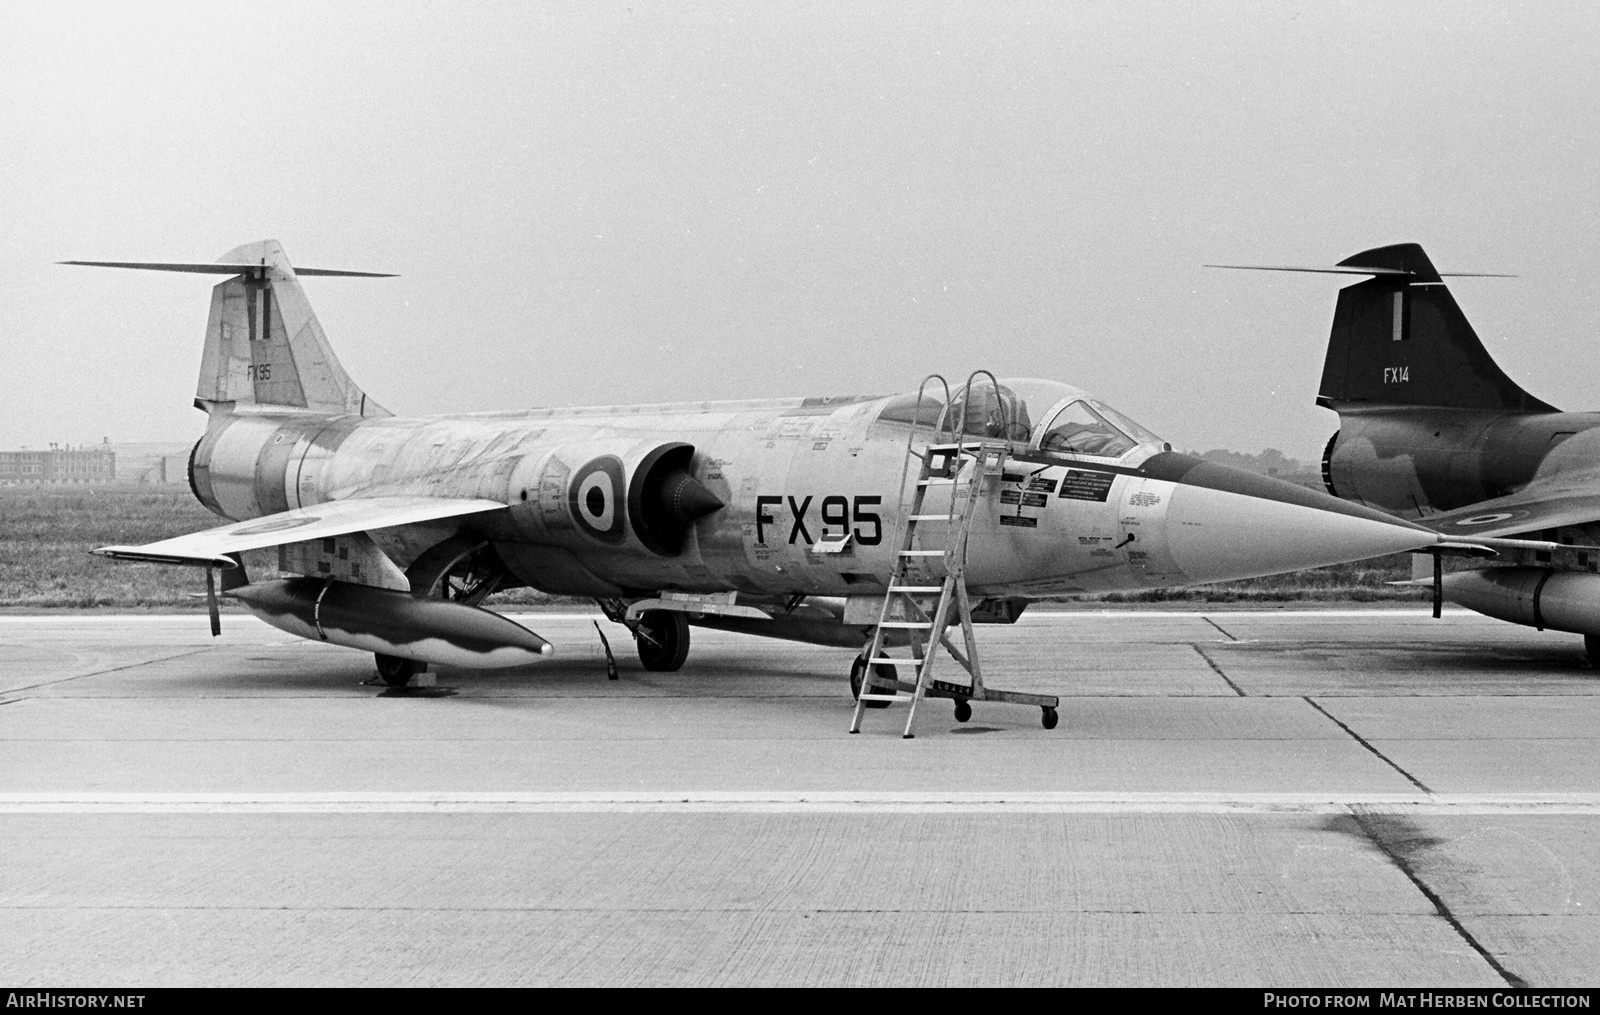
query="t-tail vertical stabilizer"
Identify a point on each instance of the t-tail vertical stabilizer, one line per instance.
(264, 345)
(1400, 339)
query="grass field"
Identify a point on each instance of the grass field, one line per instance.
(46, 534)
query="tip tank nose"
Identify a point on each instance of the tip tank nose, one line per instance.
(1224, 523)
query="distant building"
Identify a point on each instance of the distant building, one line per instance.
(56, 465)
(167, 469)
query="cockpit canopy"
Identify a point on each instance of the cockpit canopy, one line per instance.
(1046, 415)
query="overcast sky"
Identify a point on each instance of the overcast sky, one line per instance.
(595, 203)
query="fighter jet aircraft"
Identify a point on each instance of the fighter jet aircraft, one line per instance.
(795, 518)
(1432, 430)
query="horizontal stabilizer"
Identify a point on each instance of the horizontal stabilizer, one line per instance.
(1340, 269)
(222, 269)
(210, 547)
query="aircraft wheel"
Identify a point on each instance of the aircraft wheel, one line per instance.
(1049, 718)
(1591, 648)
(963, 711)
(663, 640)
(885, 672)
(394, 671)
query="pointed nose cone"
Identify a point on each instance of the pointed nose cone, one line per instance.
(1224, 523)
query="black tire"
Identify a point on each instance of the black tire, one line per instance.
(885, 672)
(1591, 648)
(963, 711)
(395, 671)
(663, 638)
(1049, 718)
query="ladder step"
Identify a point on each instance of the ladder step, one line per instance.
(922, 553)
(875, 660)
(936, 481)
(934, 518)
(906, 623)
(916, 588)
(884, 697)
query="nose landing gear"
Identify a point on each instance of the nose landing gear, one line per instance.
(883, 673)
(663, 638)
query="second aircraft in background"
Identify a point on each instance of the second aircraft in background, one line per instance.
(1433, 431)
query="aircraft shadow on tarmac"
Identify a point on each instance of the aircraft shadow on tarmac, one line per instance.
(1341, 654)
(715, 672)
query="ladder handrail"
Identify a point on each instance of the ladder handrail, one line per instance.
(911, 439)
(956, 547)
(966, 400)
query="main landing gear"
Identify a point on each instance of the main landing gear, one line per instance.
(396, 672)
(459, 570)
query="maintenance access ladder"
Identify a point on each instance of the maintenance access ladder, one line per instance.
(942, 465)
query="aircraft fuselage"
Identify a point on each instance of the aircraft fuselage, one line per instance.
(812, 494)
(786, 517)
(1418, 460)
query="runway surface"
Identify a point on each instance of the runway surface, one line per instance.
(1263, 798)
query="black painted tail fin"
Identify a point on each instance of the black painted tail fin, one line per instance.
(1400, 339)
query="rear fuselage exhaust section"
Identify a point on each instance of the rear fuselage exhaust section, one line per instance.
(392, 623)
(1327, 465)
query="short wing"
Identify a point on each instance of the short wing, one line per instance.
(335, 518)
(1552, 504)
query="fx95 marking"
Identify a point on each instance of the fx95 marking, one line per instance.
(837, 515)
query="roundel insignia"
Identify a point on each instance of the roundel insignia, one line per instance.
(1487, 519)
(596, 499)
(274, 525)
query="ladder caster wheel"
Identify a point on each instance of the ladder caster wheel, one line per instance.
(963, 711)
(1049, 718)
